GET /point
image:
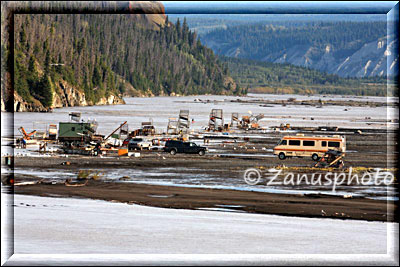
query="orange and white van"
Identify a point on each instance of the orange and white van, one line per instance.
(308, 146)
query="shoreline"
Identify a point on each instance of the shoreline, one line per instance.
(301, 205)
(346, 101)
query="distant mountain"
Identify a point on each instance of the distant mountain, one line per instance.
(369, 60)
(265, 77)
(205, 23)
(348, 49)
(278, 7)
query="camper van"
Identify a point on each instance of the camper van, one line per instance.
(308, 146)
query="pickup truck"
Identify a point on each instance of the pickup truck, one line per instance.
(138, 144)
(173, 147)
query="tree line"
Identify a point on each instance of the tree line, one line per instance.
(255, 41)
(99, 54)
(287, 78)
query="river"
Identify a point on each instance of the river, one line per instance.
(160, 109)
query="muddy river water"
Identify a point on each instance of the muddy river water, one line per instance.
(160, 109)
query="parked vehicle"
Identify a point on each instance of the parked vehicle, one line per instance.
(173, 147)
(52, 132)
(126, 141)
(138, 144)
(308, 146)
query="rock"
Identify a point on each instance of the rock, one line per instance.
(21, 105)
(64, 95)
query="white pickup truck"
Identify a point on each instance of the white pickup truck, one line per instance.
(139, 144)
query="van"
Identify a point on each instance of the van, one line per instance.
(308, 146)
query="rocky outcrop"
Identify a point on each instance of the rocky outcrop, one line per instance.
(370, 60)
(151, 13)
(68, 96)
(21, 105)
(110, 100)
(65, 95)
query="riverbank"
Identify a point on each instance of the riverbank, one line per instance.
(301, 205)
(221, 171)
(222, 168)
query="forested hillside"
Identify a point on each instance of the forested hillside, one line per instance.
(265, 77)
(355, 49)
(102, 55)
(258, 40)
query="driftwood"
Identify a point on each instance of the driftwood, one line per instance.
(67, 183)
(29, 183)
(25, 183)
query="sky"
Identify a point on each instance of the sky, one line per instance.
(279, 7)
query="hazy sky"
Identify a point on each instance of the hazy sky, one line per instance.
(279, 6)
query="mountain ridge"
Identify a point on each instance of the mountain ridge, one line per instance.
(348, 49)
(278, 78)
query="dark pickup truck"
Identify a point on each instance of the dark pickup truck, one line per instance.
(174, 147)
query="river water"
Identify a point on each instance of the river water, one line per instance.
(160, 109)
